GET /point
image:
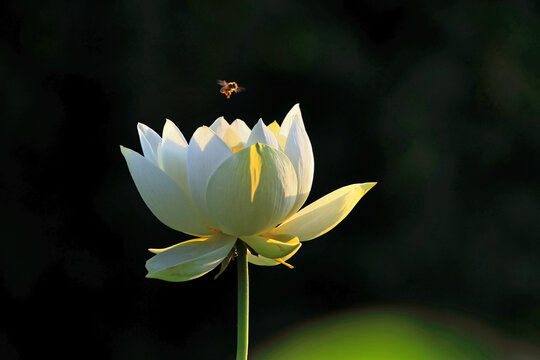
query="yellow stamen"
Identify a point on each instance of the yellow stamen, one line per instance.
(284, 263)
(237, 148)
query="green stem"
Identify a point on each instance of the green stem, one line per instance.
(243, 302)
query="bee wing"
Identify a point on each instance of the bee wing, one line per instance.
(240, 89)
(222, 82)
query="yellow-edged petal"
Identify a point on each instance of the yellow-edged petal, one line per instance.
(274, 128)
(324, 214)
(264, 261)
(251, 191)
(189, 259)
(272, 247)
(167, 201)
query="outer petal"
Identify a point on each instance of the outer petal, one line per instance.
(190, 259)
(263, 135)
(164, 198)
(272, 247)
(325, 213)
(150, 141)
(172, 155)
(287, 123)
(298, 149)
(252, 191)
(264, 261)
(206, 151)
(172, 133)
(241, 129)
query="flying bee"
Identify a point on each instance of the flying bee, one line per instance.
(227, 88)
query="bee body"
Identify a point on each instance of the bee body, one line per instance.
(227, 88)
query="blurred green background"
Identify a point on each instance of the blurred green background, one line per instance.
(381, 334)
(437, 101)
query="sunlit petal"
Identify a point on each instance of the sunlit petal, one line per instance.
(241, 129)
(264, 261)
(252, 190)
(206, 151)
(172, 155)
(227, 133)
(272, 247)
(167, 201)
(189, 259)
(220, 126)
(150, 141)
(298, 149)
(324, 214)
(274, 128)
(232, 139)
(172, 133)
(261, 134)
(293, 114)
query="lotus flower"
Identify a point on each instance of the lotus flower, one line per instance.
(232, 184)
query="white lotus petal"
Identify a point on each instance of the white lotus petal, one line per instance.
(150, 141)
(272, 247)
(189, 259)
(220, 126)
(252, 190)
(264, 261)
(232, 139)
(148, 151)
(298, 149)
(168, 202)
(227, 133)
(241, 129)
(261, 134)
(287, 123)
(206, 151)
(274, 128)
(173, 161)
(324, 214)
(172, 155)
(172, 133)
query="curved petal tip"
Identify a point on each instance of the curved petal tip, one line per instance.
(367, 186)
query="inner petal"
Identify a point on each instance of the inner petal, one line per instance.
(274, 128)
(228, 134)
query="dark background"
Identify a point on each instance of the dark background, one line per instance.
(437, 101)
